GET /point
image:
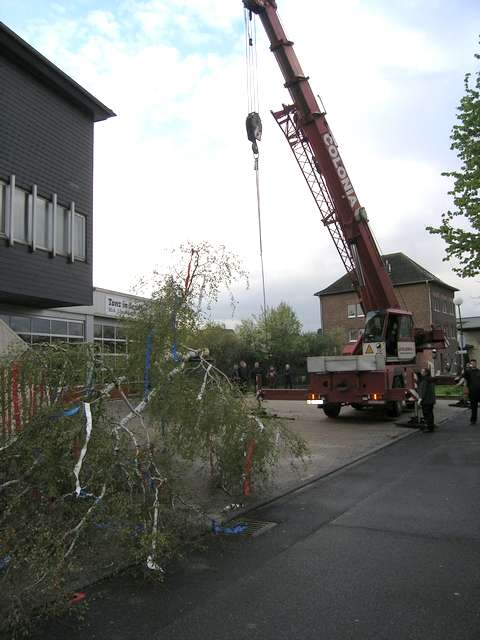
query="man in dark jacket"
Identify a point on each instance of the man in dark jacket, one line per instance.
(244, 376)
(426, 391)
(472, 378)
(288, 377)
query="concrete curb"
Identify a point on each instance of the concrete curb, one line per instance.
(268, 501)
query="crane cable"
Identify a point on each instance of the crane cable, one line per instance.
(254, 125)
(251, 62)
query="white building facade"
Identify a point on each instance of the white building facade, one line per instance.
(99, 323)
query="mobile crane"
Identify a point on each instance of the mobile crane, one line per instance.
(380, 368)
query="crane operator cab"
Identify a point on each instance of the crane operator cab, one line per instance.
(389, 333)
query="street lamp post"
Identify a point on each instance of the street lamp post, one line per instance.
(458, 303)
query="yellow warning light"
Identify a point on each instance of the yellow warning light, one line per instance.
(376, 396)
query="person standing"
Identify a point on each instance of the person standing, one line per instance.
(257, 374)
(426, 391)
(235, 375)
(243, 374)
(272, 377)
(288, 377)
(472, 378)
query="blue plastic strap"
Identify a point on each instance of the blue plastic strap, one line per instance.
(67, 413)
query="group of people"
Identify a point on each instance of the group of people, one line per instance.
(257, 379)
(426, 392)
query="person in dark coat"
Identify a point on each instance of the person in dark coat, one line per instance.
(244, 375)
(236, 375)
(472, 378)
(426, 391)
(288, 377)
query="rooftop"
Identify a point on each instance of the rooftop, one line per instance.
(28, 58)
(470, 323)
(401, 269)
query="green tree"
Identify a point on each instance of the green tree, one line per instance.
(273, 338)
(224, 345)
(463, 242)
(251, 333)
(321, 344)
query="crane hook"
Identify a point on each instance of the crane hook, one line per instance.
(253, 124)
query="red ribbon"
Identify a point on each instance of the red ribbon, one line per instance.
(16, 403)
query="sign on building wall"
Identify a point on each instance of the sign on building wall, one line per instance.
(117, 306)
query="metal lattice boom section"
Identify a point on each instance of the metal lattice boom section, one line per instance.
(306, 161)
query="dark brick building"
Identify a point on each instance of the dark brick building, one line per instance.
(46, 180)
(426, 296)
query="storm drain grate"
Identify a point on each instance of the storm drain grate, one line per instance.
(253, 528)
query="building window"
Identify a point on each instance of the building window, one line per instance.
(40, 330)
(41, 325)
(354, 334)
(67, 241)
(20, 215)
(75, 329)
(59, 328)
(42, 224)
(111, 344)
(79, 237)
(20, 324)
(355, 311)
(3, 192)
(61, 231)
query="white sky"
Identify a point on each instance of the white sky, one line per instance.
(175, 164)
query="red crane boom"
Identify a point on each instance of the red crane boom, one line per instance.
(306, 129)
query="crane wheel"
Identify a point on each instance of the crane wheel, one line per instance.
(332, 410)
(393, 409)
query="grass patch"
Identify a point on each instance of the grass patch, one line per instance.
(449, 390)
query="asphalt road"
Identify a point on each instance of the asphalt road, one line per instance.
(387, 548)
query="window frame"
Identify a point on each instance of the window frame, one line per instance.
(351, 332)
(26, 197)
(64, 250)
(47, 227)
(76, 256)
(3, 208)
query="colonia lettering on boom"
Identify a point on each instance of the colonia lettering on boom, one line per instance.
(341, 171)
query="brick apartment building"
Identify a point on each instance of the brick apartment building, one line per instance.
(426, 296)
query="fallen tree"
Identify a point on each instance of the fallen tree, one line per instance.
(81, 488)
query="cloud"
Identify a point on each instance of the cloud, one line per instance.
(175, 164)
(104, 22)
